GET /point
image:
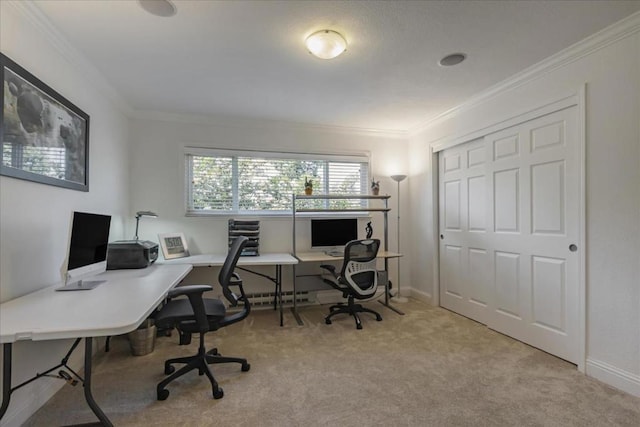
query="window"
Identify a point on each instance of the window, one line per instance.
(220, 181)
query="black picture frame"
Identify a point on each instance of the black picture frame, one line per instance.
(45, 137)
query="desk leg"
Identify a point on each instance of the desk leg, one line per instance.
(294, 310)
(386, 295)
(279, 291)
(88, 350)
(6, 378)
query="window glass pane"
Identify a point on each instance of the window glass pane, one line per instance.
(345, 179)
(211, 183)
(266, 184)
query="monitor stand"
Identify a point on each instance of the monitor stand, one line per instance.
(81, 285)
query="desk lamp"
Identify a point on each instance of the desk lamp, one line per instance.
(398, 179)
(140, 214)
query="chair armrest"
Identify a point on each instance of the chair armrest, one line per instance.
(235, 280)
(232, 297)
(330, 268)
(188, 290)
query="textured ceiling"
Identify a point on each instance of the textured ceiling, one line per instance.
(246, 59)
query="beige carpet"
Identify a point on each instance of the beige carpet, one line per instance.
(428, 368)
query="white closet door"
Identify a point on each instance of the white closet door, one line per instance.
(465, 270)
(509, 215)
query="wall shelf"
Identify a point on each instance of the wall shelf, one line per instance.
(345, 210)
(341, 197)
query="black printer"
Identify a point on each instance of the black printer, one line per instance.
(131, 254)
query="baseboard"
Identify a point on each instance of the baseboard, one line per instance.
(421, 296)
(615, 377)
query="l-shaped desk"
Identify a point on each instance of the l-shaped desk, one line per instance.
(115, 307)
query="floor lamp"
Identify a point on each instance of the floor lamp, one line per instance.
(398, 179)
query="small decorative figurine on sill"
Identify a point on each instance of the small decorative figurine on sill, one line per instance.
(375, 187)
(308, 186)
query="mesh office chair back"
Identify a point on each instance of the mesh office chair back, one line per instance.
(359, 267)
(226, 275)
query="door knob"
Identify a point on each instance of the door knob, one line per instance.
(573, 247)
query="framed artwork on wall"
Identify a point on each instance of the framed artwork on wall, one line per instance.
(174, 245)
(45, 138)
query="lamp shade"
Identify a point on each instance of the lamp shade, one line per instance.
(146, 213)
(326, 44)
(398, 178)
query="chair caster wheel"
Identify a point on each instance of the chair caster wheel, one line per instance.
(218, 394)
(379, 318)
(168, 369)
(245, 367)
(163, 394)
(358, 326)
(327, 321)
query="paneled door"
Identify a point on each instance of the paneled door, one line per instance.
(509, 231)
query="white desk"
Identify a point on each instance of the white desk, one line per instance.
(115, 307)
(323, 257)
(267, 259)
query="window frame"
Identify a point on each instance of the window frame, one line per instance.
(190, 152)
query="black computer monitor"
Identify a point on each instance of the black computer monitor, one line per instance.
(328, 233)
(87, 255)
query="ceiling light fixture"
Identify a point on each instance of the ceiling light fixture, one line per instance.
(453, 59)
(164, 8)
(326, 44)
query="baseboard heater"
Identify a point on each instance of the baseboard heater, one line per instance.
(265, 299)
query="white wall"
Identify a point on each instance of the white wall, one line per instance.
(34, 218)
(158, 182)
(612, 76)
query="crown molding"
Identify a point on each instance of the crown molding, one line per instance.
(257, 123)
(615, 32)
(28, 10)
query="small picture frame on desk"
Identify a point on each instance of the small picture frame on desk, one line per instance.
(174, 245)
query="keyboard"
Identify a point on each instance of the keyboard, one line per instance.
(335, 253)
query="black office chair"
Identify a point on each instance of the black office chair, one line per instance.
(199, 315)
(358, 279)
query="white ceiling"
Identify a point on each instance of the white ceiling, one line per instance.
(246, 59)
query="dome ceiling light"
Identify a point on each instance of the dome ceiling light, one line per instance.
(164, 8)
(326, 44)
